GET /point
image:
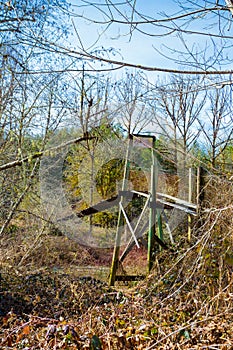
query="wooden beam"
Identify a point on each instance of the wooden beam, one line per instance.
(177, 206)
(179, 201)
(101, 206)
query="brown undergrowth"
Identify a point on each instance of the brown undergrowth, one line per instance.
(185, 303)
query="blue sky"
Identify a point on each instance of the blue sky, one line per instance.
(139, 48)
(146, 50)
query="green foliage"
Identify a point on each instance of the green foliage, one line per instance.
(95, 343)
(164, 156)
(107, 178)
(78, 175)
(225, 160)
(71, 168)
(199, 154)
(105, 219)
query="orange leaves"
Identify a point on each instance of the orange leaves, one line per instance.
(18, 335)
(23, 332)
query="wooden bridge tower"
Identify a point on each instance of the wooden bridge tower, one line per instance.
(155, 202)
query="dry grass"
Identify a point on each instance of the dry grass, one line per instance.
(186, 302)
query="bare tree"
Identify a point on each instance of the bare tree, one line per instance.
(131, 103)
(89, 112)
(179, 104)
(28, 102)
(217, 125)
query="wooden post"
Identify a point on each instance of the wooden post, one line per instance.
(160, 226)
(152, 217)
(190, 200)
(116, 252)
(198, 188)
(201, 172)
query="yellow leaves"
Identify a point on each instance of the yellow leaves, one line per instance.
(30, 158)
(129, 332)
(27, 298)
(120, 323)
(229, 258)
(36, 300)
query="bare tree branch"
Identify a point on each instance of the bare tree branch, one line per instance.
(42, 153)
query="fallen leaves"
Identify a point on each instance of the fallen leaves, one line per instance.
(60, 312)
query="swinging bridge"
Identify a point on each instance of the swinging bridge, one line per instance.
(156, 202)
